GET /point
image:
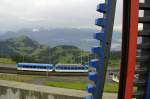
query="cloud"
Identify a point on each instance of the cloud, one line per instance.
(17, 14)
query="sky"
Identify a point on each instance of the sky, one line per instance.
(17, 14)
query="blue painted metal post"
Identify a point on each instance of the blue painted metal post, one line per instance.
(103, 50)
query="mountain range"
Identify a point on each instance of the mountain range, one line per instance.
(24, 49)
(82, 38)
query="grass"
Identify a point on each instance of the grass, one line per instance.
(111, 88)
(78, 86)
(78, 83)
(7, 61)
(18, 78)
(115, 62)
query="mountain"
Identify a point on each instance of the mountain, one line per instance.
(22, 45)
(25, 49)
(82, 38)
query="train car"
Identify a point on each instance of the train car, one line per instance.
(70, 68)
(35, 67)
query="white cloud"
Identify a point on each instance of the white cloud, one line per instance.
(17, 14)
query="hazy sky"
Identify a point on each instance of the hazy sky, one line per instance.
(17, 14)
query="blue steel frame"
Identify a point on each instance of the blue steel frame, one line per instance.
(105, 36)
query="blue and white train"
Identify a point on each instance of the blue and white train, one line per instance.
(49, 67)
(35, 67)
(70, 68)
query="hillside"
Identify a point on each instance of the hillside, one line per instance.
(22, 45)
(25, 49)
(67, 54)
(55, 37)
(82, 38)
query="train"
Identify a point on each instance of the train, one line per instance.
(52, 68)
(70, 68)
(35, 67)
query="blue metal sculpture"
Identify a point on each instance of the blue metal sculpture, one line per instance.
(105, 36)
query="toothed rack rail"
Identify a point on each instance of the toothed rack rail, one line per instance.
(103, 50)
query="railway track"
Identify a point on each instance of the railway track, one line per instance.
(15, 71)
(9, 70)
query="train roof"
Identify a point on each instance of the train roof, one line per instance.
(69, 64)
(37, 64)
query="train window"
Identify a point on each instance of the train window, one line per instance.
(65, 67)
(40, 67)
(58, 67)
(73, 67)
(76, 68)
(82, 68)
